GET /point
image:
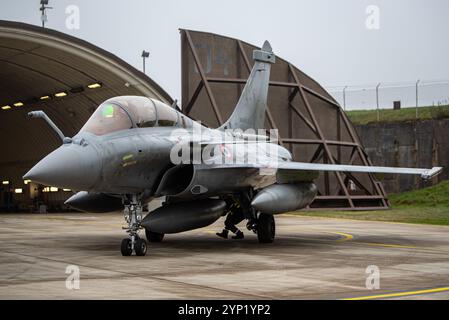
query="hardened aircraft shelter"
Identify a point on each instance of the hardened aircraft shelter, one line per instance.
(311, 123)
(42, 69)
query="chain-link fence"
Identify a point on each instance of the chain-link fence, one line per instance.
(392, 95)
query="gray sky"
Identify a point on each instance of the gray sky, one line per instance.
(327, 39)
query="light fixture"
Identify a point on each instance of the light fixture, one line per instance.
(18, 104)
(94, 85)
(5, 182)
(46, 189)
(53, 189)
(145, 54)
(60, 94)
(6, 107)
(18, 190)
(67, 190)
(43, 9)
(45, 98)
(26, 181)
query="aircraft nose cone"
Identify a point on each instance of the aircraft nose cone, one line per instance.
(70, 166)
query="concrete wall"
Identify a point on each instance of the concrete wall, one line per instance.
(408, 144)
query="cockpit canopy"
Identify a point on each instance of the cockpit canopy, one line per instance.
(128, 112)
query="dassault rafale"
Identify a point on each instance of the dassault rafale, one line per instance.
(133, 150)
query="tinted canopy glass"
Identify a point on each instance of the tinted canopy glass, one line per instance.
(108, 118)
(166, 115)
(121, 113)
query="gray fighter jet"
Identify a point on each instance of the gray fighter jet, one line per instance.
(133, 150)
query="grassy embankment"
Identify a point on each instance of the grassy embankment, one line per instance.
(426, 206)
(405, 114)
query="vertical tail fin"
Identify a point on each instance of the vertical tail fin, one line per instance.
(250, 110)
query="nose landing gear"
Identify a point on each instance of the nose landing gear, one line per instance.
(133, 216)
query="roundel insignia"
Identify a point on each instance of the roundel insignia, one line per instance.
(225, 151)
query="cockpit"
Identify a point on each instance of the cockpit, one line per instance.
(128, 112)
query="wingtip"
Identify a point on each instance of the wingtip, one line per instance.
(267, 46)
(432, 173)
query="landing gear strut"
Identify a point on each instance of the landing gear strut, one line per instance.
(133, 216)
(260, 223)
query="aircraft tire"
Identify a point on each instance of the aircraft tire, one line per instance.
(126, 248)
(140, 247)
(266, 228)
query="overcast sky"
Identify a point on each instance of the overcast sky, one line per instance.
(328, 39)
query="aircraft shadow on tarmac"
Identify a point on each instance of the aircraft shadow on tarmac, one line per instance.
(205, 243)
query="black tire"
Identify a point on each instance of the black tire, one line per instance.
(153, 236)
(140, 247)
(126, 248)
(266, 228)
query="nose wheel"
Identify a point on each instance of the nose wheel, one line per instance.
(139, 247)
(133, 216)
(126, 248)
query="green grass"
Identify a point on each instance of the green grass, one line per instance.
(405, 114)
(434, 216)
(426, 206)
(436, 196)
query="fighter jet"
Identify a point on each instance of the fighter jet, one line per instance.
(133, 150)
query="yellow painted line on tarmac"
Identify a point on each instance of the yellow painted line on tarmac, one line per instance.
(388, 245)
(364, 221)
(345, 236)
(348, 237)
(400, 294)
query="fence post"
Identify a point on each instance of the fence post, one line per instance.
(377, 101)
(417, 101)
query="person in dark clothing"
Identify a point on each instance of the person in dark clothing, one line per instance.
(234, 217)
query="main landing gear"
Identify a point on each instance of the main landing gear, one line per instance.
(264, 226)
(133, 216)
(260, 223)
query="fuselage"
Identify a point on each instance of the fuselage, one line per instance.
(127, 159)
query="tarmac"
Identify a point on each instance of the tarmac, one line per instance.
(312, 258)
